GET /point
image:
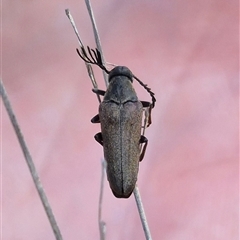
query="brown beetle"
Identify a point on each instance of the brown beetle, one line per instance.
(120, 116)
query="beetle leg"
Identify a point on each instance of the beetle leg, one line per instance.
(149, 116)
(98, 91)
(95, 119)
(98, 138)
(144, 140)
(148, 105)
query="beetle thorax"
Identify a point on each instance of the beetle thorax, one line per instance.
(120, 90)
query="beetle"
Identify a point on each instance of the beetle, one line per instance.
(120, 117)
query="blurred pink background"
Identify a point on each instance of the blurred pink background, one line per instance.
(187, 52)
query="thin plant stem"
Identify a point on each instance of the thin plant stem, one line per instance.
(88, 66)
(101, 223)
(30, 163)
(97, 38)
(142, 213)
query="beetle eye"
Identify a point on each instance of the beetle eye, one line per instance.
(120, 71)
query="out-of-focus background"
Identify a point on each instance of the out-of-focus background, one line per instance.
(187, 52)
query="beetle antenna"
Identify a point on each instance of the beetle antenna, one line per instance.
(148, 90)
(93, 57)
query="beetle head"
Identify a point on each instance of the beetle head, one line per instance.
(120, 71)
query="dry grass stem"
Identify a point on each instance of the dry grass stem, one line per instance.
(88, 66)
(142, 213)
(97, 38)
(30, 163)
